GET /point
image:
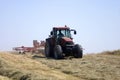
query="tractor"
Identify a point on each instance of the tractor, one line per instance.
(60, 44)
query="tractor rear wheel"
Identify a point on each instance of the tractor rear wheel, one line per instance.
(58, 52)
(78, 53)
(47, 49)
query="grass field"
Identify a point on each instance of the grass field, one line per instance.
(101, 66)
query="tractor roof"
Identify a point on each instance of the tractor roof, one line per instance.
(61, 28)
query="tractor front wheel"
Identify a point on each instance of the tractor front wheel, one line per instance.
(78, 52)
(58, 52)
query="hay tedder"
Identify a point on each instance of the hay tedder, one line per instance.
(37, 47)
(60, 44)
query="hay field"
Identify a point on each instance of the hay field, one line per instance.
(101, 66)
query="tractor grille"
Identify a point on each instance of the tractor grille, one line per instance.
(69, 46)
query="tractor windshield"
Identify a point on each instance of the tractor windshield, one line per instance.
(63, 33)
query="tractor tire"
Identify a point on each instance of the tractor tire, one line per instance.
(47, 49)
(78, 52)
(58, 52)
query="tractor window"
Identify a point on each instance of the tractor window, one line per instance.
(63, 33)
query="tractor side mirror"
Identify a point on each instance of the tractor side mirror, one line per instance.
(51, 33)
(75, 32)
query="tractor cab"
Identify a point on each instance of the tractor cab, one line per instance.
(59, 32)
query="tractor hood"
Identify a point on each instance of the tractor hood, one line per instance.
(66, 39)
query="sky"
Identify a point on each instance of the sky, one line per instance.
(97, 22)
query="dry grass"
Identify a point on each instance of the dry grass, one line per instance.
(4, 78)
(115, 52)
(19, 67)
(104, 66)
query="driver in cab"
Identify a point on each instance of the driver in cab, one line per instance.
(60, 34)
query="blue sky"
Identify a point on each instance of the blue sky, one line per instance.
(97, 22)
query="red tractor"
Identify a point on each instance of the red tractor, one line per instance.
(60, 44)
